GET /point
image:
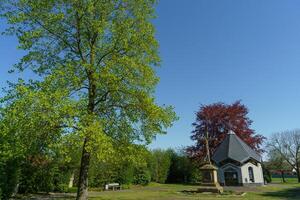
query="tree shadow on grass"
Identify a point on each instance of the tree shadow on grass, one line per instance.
(56, 196)
(289, 193)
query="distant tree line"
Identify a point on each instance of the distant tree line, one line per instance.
(55, 174)
(161, 166)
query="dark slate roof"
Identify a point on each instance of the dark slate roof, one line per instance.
(236, 149)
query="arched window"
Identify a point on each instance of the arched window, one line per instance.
(251, 175)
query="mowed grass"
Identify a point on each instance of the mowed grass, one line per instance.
(175, 192)
(288, 180)
(290, 191)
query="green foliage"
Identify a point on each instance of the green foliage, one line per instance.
(126, 173)
(123, 167)
(196, 176)
(42, 175)
(110, 172)
(101, 173)
(31, 156)
(142, 176)
(172, 167)
(94, 61)
(182, 169)
(159, 163)
(9, 176)
(267, 174)
(37, 178)
(104, 65)
(276, 161)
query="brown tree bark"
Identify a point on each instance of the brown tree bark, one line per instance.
(298, 173)
(282, 176)
(82, 191)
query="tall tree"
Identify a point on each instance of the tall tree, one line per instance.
(216, 120)
(287, 144)
(276, 162)
(99, 55)
(160, 164)
(181, 168)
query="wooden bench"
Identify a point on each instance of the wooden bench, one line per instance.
(113, 186)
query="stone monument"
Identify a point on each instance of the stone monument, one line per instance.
(209, 181)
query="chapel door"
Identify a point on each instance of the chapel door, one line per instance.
(231, 178)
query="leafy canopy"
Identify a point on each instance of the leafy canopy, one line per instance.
(94, 62)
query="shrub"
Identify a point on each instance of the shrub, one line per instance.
(125, 173)
(9, 176)
(182, 168)
(42, 177)
(267, 175)
(195, 175)
(159, 163)
(36, 179)
(101, 173)
(142, 176)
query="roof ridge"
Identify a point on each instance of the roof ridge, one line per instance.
(228, 136)
(243, 144)
(235, 148)
(241, 141)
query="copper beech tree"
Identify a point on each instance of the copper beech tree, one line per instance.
(217, 119)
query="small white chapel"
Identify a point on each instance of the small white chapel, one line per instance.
(238, 164)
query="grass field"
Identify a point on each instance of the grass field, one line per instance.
(288, 180)
(290, 191)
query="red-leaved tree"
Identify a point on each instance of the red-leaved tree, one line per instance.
(218, 119)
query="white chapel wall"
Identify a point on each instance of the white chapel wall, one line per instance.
(257, 171)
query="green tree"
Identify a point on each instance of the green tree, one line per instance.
(181, 168)
(142, 176)
(30, 140)
(287, 145)
(160, 165)
(122, 167)
(97, 56)
(267, 174)
(9, 176)
(276, 162)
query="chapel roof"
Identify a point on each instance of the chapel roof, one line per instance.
(235, 149)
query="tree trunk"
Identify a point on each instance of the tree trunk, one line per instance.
(82, 191)
(298, 174)
(71, 180)
(282, 176)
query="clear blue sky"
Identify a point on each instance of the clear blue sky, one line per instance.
(220, 50)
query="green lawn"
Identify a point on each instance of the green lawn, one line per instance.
(288, 180)
(175, 192)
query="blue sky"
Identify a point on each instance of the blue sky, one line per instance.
(220, 50)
